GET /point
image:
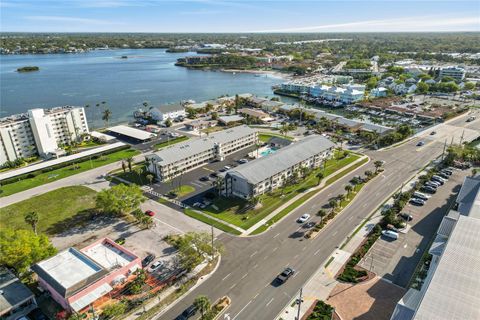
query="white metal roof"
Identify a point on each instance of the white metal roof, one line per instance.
(132, 132)
(91, 297)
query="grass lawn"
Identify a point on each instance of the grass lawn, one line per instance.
(184, 190)
(236, 211)
(57, 210)
(164, 144)
(47, 177)
(214, 129)
(264, 137)
(216, 224)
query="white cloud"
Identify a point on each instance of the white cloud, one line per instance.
(421, 23)
(70, 20)
(200, 12)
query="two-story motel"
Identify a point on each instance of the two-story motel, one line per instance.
(272, 171)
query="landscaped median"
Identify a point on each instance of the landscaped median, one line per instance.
(307, 196)
(37, 178)
(245, 215)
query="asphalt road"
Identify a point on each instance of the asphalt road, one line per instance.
(249, 265)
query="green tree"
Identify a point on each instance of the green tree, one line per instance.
(32, 219)
(193, 247)
(378, 164)
(333, 204)
(168, 123)
(320, 177)
(349, 189)
(124, 167)
(202, 303)
(150, 178)
(147, 222)
(321, 213)
(22, 248)
(120, 199)
(214, 115)
(422, 87)
(114, 310)
(106, 116)
(129, 161)
(371, 83)
(469, 86)
(191, 113)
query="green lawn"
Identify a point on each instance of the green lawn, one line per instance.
(164, 144)
(235, 210)
(216, 224)
(184, 190)
(264, 137)
(47, 177)
(58, 210)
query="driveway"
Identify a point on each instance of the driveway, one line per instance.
(396, 260)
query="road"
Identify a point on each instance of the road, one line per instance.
(250, 264)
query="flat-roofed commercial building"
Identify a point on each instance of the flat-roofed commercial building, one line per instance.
(40, 132)
(451, 288)
(456, 73)
(77, 278)
(272, 171)
(186, 156)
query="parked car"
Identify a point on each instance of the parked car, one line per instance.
(214, 174)
(37, 314)
(187, 313)
(420, 195)
(155, 266)
(406, 216)
(417, 202)
(309, 225)
(470, 119)
(147, 260)
(438, 179)
(303, 218)
(205, 178)
(285, 275)
(150, 213)
(242, 161)
(433, 184)
(390, 234)
(433, 133)
(447, 171)
(227, 168)
(443, 175)
(420, 143)
(428, 189)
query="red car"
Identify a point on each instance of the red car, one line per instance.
(150, 213)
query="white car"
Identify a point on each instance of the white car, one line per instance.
(155, 266)
(390, 234)
(303, 218)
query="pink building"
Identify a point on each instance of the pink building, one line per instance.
(76, 278)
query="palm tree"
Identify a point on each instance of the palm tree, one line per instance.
(340, 198)
(349, 189)
(138, 171)
(150, 178)
(368, 173)
(202, 303)
(321, 213)
(32, 219)
(333, 204)
(378, 164)
(124, 167)
(319, 176)
(106, 116)
(129, 162)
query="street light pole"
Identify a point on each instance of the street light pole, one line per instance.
(299, 304)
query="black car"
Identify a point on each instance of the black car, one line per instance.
(214, 174)
(428, 189)
(146, 261)
(406, 216)
(187, 313)
(37, 314)
(204, 178)
(285, 275)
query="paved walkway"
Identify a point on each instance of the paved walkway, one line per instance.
(298, 196)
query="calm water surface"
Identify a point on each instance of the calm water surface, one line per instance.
(90, 78)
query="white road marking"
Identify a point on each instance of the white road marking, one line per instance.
(350, 218)
(244, 276)
(253, 254)
(169, 225)
(276, 235)
(365, 204)
(334, 233)
(228, 275)
(295, 274)
(296, 256)
(256, 296)
(233, 286)
(242, 309)
(275, 249)
(316, 252)
(269, 302)
(256, 265)
(265, 258)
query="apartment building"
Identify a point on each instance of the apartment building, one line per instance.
(169, 111)
(456, 73)
(450, 289)
(186, 156)
(272, 171)
(40, 132)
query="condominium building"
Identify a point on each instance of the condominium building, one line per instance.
(186, 156)
(169, 111)
(450, 289)
(40, 132)
(350, 94)
(272, 171)
(456, 73)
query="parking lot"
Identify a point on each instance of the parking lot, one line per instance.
(396, 260)
(192, 178)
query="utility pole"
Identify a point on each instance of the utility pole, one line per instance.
(461, 138)
(299, 304)
(444, 147)
(213, 250)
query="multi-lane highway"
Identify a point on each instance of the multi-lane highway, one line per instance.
(250, 264)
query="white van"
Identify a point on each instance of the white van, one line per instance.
(420, 195)
(390, 234)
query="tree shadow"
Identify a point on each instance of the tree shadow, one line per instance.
(84, 221)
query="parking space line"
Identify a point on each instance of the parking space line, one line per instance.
(228, 275)
(269, 302)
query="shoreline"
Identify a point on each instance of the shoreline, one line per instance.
(275, 74)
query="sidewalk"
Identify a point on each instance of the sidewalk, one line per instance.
(298, 196)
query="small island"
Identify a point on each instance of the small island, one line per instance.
(28, 69)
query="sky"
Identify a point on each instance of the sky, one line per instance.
(229, 16)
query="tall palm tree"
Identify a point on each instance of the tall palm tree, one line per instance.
(106, 116)
(333, 204)
(32, 219)
(129, 161)
(319, 176)
(378, 164)
(349, 189)
(202, 303)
